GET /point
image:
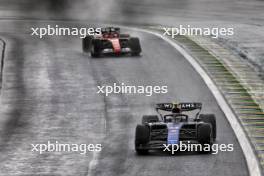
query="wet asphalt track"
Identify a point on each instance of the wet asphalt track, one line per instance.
(49, 93)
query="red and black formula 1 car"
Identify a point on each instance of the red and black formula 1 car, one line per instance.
(111, 42)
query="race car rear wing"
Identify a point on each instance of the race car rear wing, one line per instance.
(179, 107)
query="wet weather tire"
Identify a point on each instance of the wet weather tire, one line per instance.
(96, 48)
(135, 46)
(204, 133)
(141, 137)
(210, 118)
(86, 43)
(205, 137)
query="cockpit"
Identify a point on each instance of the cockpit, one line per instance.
(110, 32)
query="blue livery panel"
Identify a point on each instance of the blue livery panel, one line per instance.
(174, 133)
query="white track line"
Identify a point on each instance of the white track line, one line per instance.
(252, 161)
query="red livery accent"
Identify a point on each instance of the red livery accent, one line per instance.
(111, 41)
(116, 44)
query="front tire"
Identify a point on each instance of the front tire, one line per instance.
(86, 44)
(210, 118)
(135, 46)
(205, 137)
(141, 137)
(96, 48)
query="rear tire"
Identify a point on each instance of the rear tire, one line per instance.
(149, 119)
(210, 118)
(86, 44)
(141, 137)
(135, 47)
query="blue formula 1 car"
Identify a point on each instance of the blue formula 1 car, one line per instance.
(174, 127)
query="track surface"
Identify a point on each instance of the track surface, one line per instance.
(49, 93)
